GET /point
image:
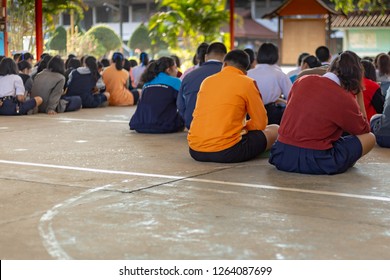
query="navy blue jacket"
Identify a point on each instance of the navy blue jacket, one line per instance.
(82, 85)
(156, 109)
(190, 86)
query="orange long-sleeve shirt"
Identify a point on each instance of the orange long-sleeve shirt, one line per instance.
(115, 81)
(219, 118)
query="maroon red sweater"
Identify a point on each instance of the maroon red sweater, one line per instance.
(318, 112)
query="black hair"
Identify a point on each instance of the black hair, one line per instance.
(383, 64)
(25, 56)
(126, 65)
(73, 63)
(82, 59)
(117, 58)
(43, 55)
(24, 64)
(91, 64)
(56, 65)
(268, 53)
(312, 61)
(251, 54)
(238, 59)
(201, 52)
(105, 62)
(323, 53)
(369, 70)
(195, 60)
(43, 63)
(156, 67)
(17, 56)
(70, 56)
(369, 58)
(8, 67)
(144, 58)
(301, 57)
(133, 62)
(1, 57)
(349, 70)
(217, 48)
(177, 60)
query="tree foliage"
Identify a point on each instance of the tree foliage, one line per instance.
(21, 20)
(350, 5)
(105, 36)
(58, 40)
(140, 39)
(194, 21)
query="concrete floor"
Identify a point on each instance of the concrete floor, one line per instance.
(83, 186)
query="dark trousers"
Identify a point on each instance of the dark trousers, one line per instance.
(274, 112)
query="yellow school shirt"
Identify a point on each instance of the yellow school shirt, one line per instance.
(219, 118)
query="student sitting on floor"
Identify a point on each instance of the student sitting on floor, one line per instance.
(49, 85)
(82, 82)
(272, 82)
(380, 124)
(372, 94)
(116, 80)
(219, 131)
(318, 111)
(156, 110)
(12, 100)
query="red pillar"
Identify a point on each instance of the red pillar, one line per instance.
(231, 24)
(38, 28)
(4, 4)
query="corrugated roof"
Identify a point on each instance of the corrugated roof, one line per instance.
(362, 19)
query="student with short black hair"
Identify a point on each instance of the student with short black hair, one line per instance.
(319, 110)
(12, 91)
(219, 131)
(190, 85)
(323, 55)
(274, 85)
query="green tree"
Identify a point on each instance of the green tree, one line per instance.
(194, 21)
(140, 39)
(105, 36)
(21, 20)
(58, 40)
(350, 5)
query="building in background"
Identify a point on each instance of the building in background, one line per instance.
(366, 34)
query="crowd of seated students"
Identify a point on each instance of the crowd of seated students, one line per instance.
(235, 105)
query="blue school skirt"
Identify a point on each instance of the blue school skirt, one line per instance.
(344, 154)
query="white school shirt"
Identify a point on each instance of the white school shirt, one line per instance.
(271, 81)
(11, 85)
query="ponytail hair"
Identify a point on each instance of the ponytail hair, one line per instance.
(91, 63)
(144, 59)
(117, 58)
(349, 70)
(156, 67)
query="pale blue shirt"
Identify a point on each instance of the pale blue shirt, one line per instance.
(271, 81)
